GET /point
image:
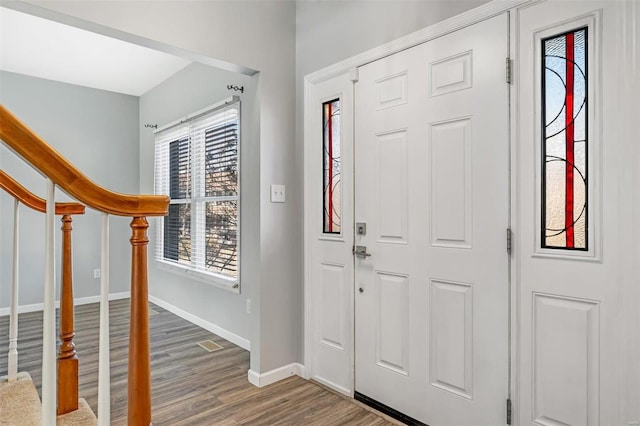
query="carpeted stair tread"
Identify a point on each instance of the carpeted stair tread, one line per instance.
(20, 405)
(19, 402)
(83, 416)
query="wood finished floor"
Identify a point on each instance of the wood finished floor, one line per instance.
(190, 386)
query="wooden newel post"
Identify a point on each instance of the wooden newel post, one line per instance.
(67, 357)
(139, 407)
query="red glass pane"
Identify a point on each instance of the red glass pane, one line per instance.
(564, 141)
(332, 207)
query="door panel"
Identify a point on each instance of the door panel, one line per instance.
(451, 337)
(451, 188)
(566, 358)
(392, 323)
(431, 182)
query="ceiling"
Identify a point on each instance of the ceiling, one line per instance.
(38, 47)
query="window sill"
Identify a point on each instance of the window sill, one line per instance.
(224, 283)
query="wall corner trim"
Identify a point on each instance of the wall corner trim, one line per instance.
(265, 379)
(211, 327)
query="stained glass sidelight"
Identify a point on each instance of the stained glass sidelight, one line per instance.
(332, 206)
(564, 141)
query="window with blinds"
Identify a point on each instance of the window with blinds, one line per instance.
(197, 165)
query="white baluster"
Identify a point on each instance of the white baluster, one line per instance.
(104, 381)
(13, 321)
(49, 315)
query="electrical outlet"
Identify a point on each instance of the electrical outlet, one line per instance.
(248, 306)
(277, 193)
(97, 273)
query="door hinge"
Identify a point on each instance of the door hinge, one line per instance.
(509, 411)
(509, 70)
(509, 233)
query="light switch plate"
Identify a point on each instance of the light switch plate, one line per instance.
(277, 194)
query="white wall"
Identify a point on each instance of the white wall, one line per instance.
(98, 132)
(191, 89)
(260, 35)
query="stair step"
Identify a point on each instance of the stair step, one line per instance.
(20, 405)
(81, 417)
(19, 402)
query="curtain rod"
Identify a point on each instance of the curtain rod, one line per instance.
(218, 105)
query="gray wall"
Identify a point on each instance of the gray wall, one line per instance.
(191, 89)
(260, 35)
(98, 132)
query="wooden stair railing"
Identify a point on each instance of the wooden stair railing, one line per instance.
(26, 197)
(35, 151)
(67, 356)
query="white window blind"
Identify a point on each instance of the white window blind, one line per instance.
(198, 167)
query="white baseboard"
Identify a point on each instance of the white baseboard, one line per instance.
(37, 307)
(213, 328)
(265, 379)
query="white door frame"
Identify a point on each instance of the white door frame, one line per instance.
(349, 67)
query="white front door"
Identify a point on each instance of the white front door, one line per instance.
(431, 185)
(574, 197)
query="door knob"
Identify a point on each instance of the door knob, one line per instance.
(361, 252)
(361, 290)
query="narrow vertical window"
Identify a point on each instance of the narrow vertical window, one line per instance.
(221, 194)
(331, 165)
(177, 224)
(564, 141)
